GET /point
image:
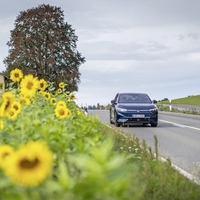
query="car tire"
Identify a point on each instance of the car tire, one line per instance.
(115, 119)
(154, 125)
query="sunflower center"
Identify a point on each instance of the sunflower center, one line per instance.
(16, 75)
(29, 164)
(62, 112)
(7, 105)
(5, 154)
(11, 113)
(15, 107)
(30, 85)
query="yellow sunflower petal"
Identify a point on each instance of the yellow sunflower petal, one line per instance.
(31, 164)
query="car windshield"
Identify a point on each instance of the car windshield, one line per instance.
(134, 98)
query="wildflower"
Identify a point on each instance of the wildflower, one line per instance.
(5, 151)
(53, 101)
(31, 164)
(7, 100)
(42, 84)
(62, 112)
(1, 125)
(72, 97)
(16, 75)
(28, 85)
(61, 85)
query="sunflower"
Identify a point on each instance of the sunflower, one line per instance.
(5, 151)
(12, 114)
(59, 91)
(78, 111)
(25, 101)
(47, 95)
(17, 106)
(7, 100)
(42, 84)
(16, 75)
(53, 101)
(31, 164)
(61, 85)
(69, 113)
(64, 95)
(29, 85)
(62, 112)
(72, 97)
(61, 103)
(1, 125)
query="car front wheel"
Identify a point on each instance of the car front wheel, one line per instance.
(154, 125)
(111, 121)
(116, 122)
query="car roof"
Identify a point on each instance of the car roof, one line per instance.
(131, 93)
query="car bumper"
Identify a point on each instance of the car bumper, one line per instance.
(143, 118)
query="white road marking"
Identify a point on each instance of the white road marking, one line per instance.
(180, 125)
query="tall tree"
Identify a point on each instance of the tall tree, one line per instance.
(44, 45)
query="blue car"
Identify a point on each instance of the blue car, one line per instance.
(133, 109)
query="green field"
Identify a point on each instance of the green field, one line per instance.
(191, 100)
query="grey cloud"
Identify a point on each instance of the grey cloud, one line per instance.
(181, 37)
(194, 36)
(107, 50)
(155, 46)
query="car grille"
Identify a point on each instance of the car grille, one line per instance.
(136, 120)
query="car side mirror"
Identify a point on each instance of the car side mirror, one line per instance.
(154, 101)
(112, 101)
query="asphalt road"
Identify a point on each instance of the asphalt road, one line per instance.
(178, 137)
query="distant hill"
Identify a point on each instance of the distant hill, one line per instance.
(191, 100)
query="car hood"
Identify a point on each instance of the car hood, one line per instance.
(136, 106)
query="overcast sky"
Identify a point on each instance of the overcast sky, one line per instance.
(149, 46)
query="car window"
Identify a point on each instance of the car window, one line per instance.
(134, 98)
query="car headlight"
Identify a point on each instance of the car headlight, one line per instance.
(153, 110)
(121, 109)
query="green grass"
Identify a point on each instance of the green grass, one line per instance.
(166, 108)
(191, 100)
(157, 180)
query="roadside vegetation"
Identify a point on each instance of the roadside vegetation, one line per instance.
(190, 100)
(50, 150)
(156, 179)
(167, 109)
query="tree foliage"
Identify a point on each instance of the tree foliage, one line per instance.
(44, 45)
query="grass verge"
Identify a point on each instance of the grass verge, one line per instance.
(157, 179)
(188, 111)
(190, 100)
